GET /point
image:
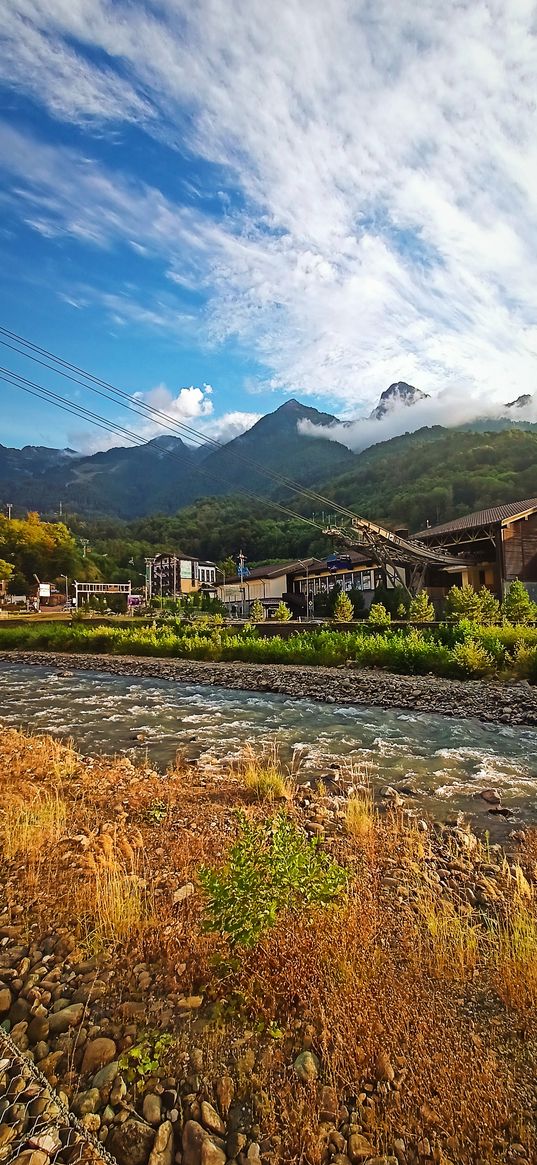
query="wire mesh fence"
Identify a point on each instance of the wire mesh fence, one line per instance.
(36, 1128)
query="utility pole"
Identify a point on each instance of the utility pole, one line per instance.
(9, 507)
(61, 510)
(85, 544)
(149, 579)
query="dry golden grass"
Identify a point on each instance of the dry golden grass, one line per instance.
(452, 939)
(118, 905)
(264, 775)
(360, 816)
(514, 953)
(434, 988)
(31, 824)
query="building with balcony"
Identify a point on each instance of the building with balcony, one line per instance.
(171, 575)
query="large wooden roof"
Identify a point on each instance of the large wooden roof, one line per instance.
(491, 517)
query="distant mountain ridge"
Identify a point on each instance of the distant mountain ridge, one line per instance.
(166, 474)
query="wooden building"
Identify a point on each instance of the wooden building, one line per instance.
(498, 545)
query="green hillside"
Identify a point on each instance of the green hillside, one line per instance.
(436, 474)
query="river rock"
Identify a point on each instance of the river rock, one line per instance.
(70, 1016)
(162, 1151)
(491, 796)
(106, 1076)
(131, 1142)
(225, 1091)
(211, 1120)
(198, 1148)
(359, 1148)
(329, 1104)
(87, 1102)
(5, 1000)
(152, 1108)
(38, 1029)
(97, 1054)
(307, 1067)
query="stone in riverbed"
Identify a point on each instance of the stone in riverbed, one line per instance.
(106, 1076)
(131, 1142)
(5, 1000)
(491, 796)
(98, 1053)
(70, 1016)
(359, 1148)
(162, 1151)
(225, 1091)
(198, 1148)
(87, 1102)
(211, 1120)
(306, 1067)
(152, 1108)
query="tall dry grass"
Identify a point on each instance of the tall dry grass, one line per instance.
(30, 825)
(265, 775)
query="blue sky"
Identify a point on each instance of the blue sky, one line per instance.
(223, 204)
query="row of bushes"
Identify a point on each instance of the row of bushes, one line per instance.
(459, 650)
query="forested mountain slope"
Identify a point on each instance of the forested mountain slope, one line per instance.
(436, 474)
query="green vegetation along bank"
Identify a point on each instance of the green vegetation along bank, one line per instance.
(460, 650)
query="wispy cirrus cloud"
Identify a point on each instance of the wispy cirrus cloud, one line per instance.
(381, 162)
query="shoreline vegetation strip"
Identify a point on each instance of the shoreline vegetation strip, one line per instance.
(454, 650)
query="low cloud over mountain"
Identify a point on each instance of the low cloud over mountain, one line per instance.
(404, 409)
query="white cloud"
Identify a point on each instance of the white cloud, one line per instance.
(448, 408)
(192, 407)
(386, 161)
(230, 425)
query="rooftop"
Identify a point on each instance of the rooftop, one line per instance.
(297, 566)
(490, 517)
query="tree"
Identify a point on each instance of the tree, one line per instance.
(357, 599)
(379, 616)
(343, 609)
(462, 603)
(257, 611)
(282, 613)
(517, 607)
(489, 607)
(6, 570)
(227, 568)
(421, 609)
(45, 549)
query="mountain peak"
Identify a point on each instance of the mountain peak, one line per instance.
(520, 402)
(398, 393)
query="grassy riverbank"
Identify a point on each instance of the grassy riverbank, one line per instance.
(457, 650)
(274, 974)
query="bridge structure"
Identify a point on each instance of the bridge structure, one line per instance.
(390, 551)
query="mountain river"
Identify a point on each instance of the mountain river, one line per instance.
(442, 764)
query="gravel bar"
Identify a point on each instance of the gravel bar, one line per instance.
(486, 700)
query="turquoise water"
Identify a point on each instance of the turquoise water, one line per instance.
(446, 761)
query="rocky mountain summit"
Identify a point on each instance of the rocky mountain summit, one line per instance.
(399, 393)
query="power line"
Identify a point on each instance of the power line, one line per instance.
(37, 390)
(165, 421)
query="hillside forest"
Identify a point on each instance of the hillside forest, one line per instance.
(428, 476)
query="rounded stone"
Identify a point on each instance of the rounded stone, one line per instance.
(307, 1067)
(97, 1054)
